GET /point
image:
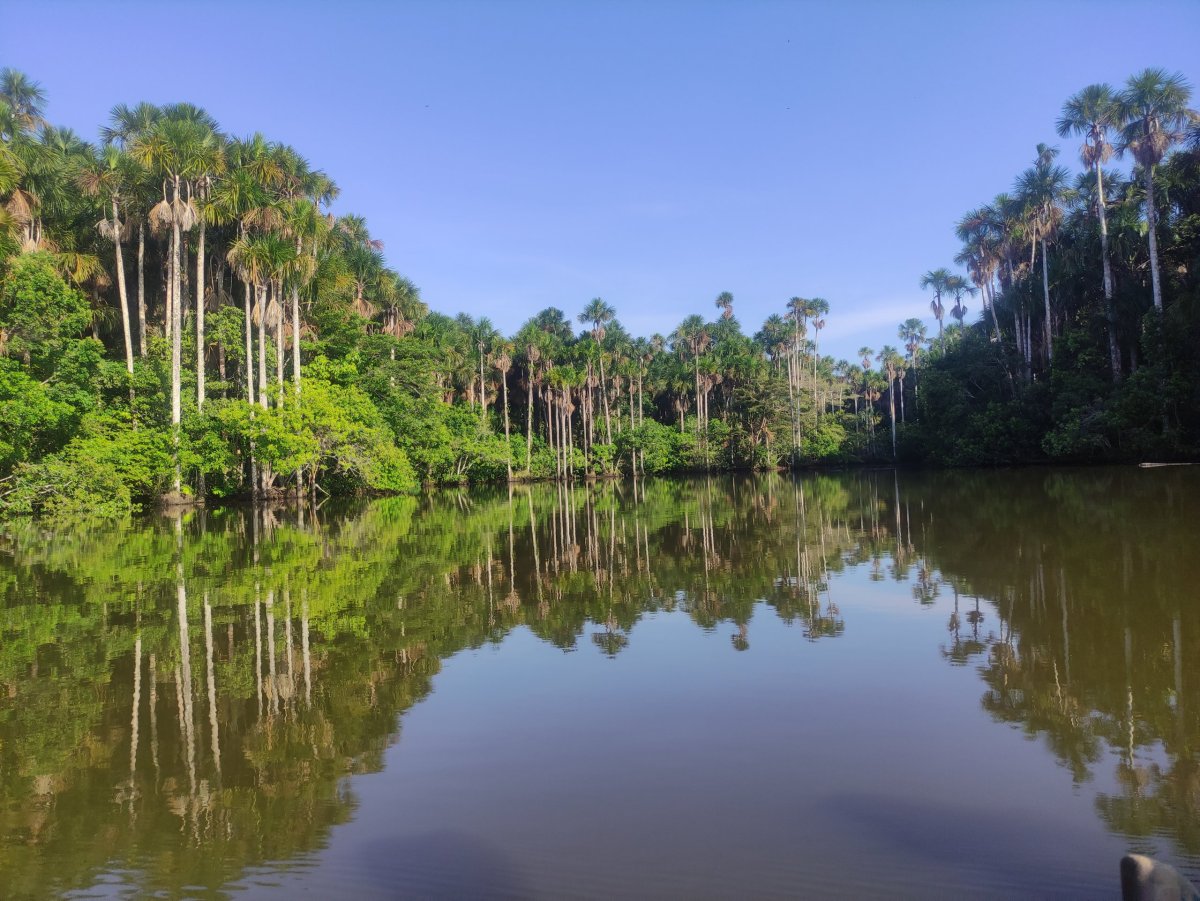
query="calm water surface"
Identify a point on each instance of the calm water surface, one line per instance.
(936, 685)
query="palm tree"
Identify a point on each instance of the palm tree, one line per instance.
(487, 338)
(105, 176)
(1092, 113)
(692, 337)
(253, 258)
(531, 341)
(724, 303)
(364, 258)
(25, 98)
(174, 149)
(1154, 113)
(600, 314)
(867, 355)
(242, 198)
(978, 230)
(958, 286)
(891, 361)
(1042, 188)
(1014, 230)
(503, 363)
(818, 309)
(912, 333)
(798, 311)
(936, 279)
(126, 125)
(210, 163)
(310, 229)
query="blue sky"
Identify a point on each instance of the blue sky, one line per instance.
(516, 155)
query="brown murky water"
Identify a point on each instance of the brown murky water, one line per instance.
(869, 684)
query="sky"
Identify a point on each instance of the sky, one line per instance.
(514, 154)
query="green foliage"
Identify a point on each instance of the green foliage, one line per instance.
(36, 422)
(102, 473)
(40, 315)
(826, 443)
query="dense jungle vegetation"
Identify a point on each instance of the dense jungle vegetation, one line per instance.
(181, 315)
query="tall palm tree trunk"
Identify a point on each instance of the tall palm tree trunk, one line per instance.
(249, 362)
(1110, 308)
(176, 343)
(124, 297)
(604, 393)
(279, 340)
(991, 299)
(482, 387)
(1152, 231)
(200, 318)
(1049, 331)
(141, 300)
(168, 284)
(570, 445)
(296, 340)
(529, 423)
(892, 414)
(262, 346)
(507, 436)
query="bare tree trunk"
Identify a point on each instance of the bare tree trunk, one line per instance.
(141, 300)
(482, 387)
(200, 318)
(892, 414)
(168, 290)
(279, 339)
(604, 393)
(296, 340)
(1110, 308)
(992, 306)
(570, 446)
(120, 261)
(507, 436)
(551, 416)
(262, 346)
(296, 367)
(249, 361)
(176, 344)
(1152, 231)
(1049, 331)
(529, 422)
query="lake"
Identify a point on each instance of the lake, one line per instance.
(955, 684)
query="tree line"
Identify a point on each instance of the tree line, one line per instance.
(181, 314)
(1086, 343)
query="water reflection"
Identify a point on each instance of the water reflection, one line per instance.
(181, 699)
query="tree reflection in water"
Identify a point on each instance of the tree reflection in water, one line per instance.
(183, 696)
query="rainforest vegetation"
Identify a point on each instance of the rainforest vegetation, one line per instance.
(181, 315)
